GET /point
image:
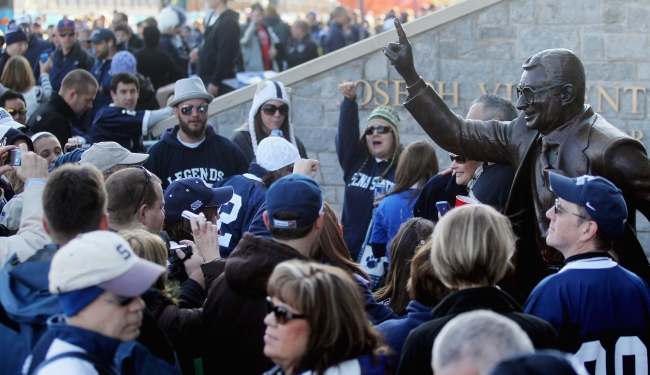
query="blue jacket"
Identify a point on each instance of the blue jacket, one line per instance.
(77, 58)
(119, 125)
(236, 216)
(359, 178)
(35, 47)
(213, 160)
(336, 38)
(101, 70)
(25, 296)
(393, 210)
(397, 330)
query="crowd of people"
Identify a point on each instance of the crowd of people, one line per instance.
(214, 255)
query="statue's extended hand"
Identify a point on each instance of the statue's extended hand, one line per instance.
(401, 56)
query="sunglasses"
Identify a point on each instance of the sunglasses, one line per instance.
(147, 175)
(66, 34)
(270, 109)
(380, 130)
(458, 159)
(123, 301)
(282, 315)
(187, 109)
(529, 94)
(559, 209)
(14, 112)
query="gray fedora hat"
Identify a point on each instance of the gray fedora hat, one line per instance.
(190, 88)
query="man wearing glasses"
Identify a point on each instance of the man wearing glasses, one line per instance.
(600, 310)
(192, 148)
(69, 55)
(556, 131)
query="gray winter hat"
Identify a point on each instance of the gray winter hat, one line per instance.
(190, 88)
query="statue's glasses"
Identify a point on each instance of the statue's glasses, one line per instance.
(529, 94)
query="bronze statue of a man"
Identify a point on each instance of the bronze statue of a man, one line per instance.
(556, 132)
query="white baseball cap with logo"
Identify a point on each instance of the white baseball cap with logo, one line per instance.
(106, 155)
(7, 120)
(101, 259)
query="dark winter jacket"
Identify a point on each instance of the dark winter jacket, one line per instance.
(35, 48)
(54, 117)
(234, 311)
(158, 66)
(416, 355)
(77, 58)
(438, 188)
(214, 159)
(221, 49)
(359, 182)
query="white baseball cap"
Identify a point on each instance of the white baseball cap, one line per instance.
(106, 155)
(7, 120)
(102, 259)
(274, 153)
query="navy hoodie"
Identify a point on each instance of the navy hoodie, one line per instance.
(359, 187)
(214, 159)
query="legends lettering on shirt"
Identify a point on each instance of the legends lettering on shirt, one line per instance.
(208, 175)
(368, 182)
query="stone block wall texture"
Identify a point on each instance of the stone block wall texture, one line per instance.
(612, 38)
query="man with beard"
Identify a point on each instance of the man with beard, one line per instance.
(192, 148)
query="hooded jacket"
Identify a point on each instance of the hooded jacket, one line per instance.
(54, 117)
(221, 48)
(234, 311)
(213, 160)
(246, 138)
(416, 354)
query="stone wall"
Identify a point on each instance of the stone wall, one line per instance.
(485, 50)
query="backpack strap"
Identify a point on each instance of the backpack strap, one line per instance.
(99, 365)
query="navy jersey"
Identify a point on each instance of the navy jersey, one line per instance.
(601, 312)
(236, 216)
(120, 125)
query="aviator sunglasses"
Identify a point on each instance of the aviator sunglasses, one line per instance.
(282, 315)
(187, 109)
(270, 109)
(13, 111)
(381, 129)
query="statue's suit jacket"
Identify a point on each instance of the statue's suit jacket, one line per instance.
(592, 146)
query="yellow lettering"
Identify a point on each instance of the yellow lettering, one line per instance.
(635, 97)
(453, 94)
(496, 88)
(603, 94)
(509, 87)
(397, 99)
(368, 90)
(481, 86)
(587, 89)
(636, 134)
(381, 92)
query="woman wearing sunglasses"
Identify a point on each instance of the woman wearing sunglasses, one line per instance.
(367, 159)
(317, 323)
(271, 110)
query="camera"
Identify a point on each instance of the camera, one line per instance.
(186, 216)
(14, 157)
(174, 263)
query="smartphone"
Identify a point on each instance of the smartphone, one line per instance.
(186, 216)
(14, 157)
(443, 207)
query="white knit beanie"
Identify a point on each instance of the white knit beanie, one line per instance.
(269, 90)
(275, 153)
(168, 18)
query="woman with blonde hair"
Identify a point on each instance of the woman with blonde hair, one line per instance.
(471, 247)
(18, 76)
(317, 323)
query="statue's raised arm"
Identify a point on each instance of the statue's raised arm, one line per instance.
(401, 56)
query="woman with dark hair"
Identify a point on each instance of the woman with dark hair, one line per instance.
(425, 291)
(317, 324)
(271, 110)
(368, 161)
(416, 166)
(415, 232)
(332, 250)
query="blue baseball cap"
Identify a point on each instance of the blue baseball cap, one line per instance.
(602, 199)
(294, 193)
(65, 25)
(193, 194)
(101, 35)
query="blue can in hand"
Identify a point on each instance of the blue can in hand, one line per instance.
(44, 57)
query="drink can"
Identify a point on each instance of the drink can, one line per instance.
(380, 189)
